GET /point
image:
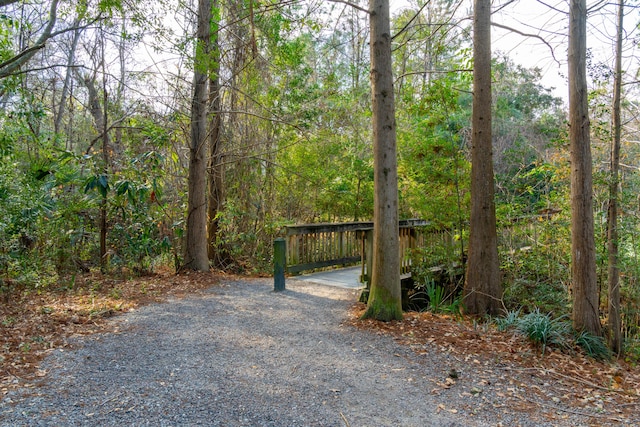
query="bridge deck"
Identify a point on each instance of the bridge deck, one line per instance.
(348, 277)
(343, 278)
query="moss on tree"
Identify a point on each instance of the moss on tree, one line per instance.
(382, 305)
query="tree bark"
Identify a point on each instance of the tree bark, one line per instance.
(385, 299)
(196, 238)
(482, 289)
(583, 267)
(215, 162)
(99, 116)
(67, 79)
(615, 332)
(105, 159)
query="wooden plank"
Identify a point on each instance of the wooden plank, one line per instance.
(347, 226)
(293, 269)
(326, 227)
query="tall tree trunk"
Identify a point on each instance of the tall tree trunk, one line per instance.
(583, 266)
(67, 79)
(99, 115)
(615, 332)
(103, 202)
(482, 288)
(196, 239)
(215, 161)
(385, 299)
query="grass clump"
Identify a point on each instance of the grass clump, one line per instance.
(545, 331)
(510, 320)
(593, 345)
(542, 329)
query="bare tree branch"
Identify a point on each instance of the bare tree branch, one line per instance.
(403, 29)
(12, 64)
(16, 71)
(457, 70)
(47, 67)
(535, 36)
(499, 8)
(598, 6)
(353, 5)
(4, 3)
(555, 9)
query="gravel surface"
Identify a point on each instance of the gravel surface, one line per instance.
(241, 355)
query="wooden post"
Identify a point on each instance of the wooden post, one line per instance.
(279, 262)
(369, 249)
(366, 253)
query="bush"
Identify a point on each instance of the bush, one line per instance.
(535, 261)
(437, 276)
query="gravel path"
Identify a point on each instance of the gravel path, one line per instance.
(242, 355)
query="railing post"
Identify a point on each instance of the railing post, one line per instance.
(279, 262)
(368, 248)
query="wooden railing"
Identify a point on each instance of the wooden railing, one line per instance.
(313, 246)
(410, 235)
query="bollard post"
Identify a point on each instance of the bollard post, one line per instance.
(279, 262)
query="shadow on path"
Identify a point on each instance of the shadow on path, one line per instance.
(238, 355)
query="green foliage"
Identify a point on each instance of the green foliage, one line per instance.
(535, 256)
(49, 208)
(436, 276)
(433, 115)
(300, 152)
(527, 121)
(508, 321)
(433, 297)
(593, 345)
(436, 295)
(141, 233)
(109, 7)
(99, 183)
(544, 330)
(550, 296)
(433, 171)
(440, 301)
(632, 351)
(527, 190)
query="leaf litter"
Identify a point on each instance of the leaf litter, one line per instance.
(33, 323)
(504, 370)
(490, 369)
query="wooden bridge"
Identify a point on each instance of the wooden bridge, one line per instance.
(317, 246)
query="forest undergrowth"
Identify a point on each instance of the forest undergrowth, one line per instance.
(560, 381)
